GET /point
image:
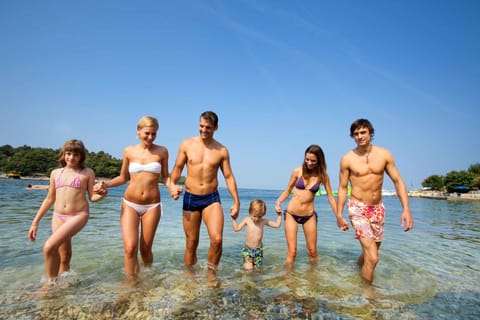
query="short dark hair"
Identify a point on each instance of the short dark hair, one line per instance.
(211, 117)
(361, 123)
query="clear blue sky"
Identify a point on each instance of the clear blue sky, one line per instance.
(281, 75)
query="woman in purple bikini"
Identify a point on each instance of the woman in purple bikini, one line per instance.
(68, 187)
(305, 181)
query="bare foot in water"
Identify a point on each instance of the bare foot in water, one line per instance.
(47, 287)
(212, 280)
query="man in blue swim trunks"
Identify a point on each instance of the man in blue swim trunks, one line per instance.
(203, 156)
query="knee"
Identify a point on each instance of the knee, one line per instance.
(131, 250)
(372, 260)
(312, 253)
(49, 248)
(192, 244)
(216, 241)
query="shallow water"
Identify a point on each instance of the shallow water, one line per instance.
(431, 272)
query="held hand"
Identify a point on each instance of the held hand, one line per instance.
(342, 224)
(100, 188)
(406, 221)
(278, 208)
(234, 212)
(175, 191)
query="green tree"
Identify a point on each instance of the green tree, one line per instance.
(476, 182)
(435, 182)
(475, 169)
(30, 161)
(458, 178)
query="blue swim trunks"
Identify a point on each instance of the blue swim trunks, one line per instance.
(193, 202)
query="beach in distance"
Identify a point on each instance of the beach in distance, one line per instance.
(430, 272)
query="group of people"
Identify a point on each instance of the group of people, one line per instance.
(141, 209)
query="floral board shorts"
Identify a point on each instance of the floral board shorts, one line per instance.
(367, 220)
(253, 255)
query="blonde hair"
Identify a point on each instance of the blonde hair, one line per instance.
(258, 206)
(147, 121)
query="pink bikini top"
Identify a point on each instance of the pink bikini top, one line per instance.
(75, 183)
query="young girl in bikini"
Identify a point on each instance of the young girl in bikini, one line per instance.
(67, 193)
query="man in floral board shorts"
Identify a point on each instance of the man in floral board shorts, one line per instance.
(364, 168)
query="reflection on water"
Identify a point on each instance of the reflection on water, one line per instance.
(431, 272)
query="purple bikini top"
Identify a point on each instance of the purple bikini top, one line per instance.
(300, 184)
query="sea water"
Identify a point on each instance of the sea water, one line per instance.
(430, 272)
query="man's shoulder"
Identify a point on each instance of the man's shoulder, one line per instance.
(190, 140)
(349, 154)
(381, 150)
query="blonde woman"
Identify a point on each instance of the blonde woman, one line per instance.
(143, 164)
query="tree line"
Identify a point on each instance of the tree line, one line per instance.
(39, 162)
(464, 180)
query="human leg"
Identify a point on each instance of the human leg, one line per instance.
(149, 224)
(310, 232)
(65, 251)
(291, 229)
(61, 232)
(130, 221)
(247, 258)
(213, 218)
(369, 258)
(191, 227)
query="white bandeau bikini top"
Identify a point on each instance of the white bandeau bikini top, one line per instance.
(153, 167)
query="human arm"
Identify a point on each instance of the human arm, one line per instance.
(94, 195)
(342, 194)
(331, 198)
(286, 193)
(164, 163)
(275, 224)
(238, 226)
(406, 219)
(180, 162)
(44, 207)
(231, 184)
(118, 180)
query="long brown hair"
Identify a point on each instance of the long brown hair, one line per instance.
(321, 163)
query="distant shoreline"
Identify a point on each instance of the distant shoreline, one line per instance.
(427, 194)
(439, 195)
